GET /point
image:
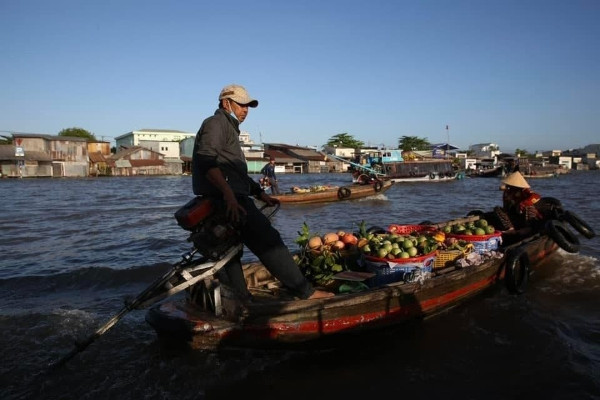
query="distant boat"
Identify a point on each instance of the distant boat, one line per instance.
(541, 175)
(538, 171)
(398, 166)
(333, 194)
(488, 172)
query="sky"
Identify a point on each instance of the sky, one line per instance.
(523, 74)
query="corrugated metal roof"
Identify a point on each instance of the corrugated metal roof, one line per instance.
(160, 130)
(129, 150)
(146, 163)
(281, 157)
(308, 154)
(7, 152)
(287, 146)
(17, 135)
(96, 157)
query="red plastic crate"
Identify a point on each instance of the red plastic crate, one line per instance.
(408, 229)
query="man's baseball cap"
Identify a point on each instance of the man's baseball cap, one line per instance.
(239, 94)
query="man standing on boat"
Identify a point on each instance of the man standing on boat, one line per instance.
(219, 170)
(268, 172)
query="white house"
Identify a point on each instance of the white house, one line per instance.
(485, 150)
(163, 141)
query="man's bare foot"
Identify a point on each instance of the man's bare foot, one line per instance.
(321, 294)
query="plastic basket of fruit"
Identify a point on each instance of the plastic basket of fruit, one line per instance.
(389, 270)
(481, 243)
(483, 235)
(408, 229)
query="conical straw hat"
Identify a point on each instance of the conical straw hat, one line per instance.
(516, 179)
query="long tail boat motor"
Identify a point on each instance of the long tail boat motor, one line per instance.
(212, 233)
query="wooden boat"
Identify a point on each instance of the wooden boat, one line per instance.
(540, 175)
(494, 172)
(212, 317)
(349, 192)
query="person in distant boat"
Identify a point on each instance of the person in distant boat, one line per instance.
(511, 166)
(519, 206)
(264, 183)
(268, 172)
(219, 170)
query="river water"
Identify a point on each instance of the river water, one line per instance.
(71, 251)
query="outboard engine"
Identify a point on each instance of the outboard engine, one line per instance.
(211, 232)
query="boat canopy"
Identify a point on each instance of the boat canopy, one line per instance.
(391, 156)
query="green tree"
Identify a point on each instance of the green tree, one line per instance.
(78, 132)
(6, 139)
(408, 143)
(344, 140)
(521, 153)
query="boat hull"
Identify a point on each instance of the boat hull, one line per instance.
(488, 173)
(545, 175)
(268, 322)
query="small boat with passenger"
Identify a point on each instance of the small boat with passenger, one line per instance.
(325, 194)
(373, 288)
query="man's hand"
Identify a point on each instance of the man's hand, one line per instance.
(268, 199)
(233, 208)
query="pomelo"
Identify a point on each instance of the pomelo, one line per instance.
(407, 244)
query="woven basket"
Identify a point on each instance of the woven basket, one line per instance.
(446, 258)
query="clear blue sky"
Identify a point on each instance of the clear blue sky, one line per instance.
(522, 74)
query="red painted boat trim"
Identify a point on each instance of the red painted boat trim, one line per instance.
(404, 312)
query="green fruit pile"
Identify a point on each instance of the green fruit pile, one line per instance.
(395, 246)
(479, 227)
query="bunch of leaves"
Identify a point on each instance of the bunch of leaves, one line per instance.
(362, 229)
(303, 236)
(318, 265)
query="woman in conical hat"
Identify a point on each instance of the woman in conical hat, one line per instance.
(516, 180)
(519, 201)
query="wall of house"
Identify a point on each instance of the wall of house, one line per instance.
(28, 169)
(135, 137)
(69, 169)
(99, 147)
(174, 166)
(168, 149)
(66, 150)
(186, 147)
